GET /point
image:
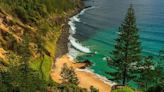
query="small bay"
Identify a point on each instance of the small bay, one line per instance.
(98, 28)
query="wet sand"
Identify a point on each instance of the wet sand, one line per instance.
(86, 79)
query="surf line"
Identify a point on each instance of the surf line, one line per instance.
(73, 41)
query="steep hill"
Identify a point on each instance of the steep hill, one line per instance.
(41, 23)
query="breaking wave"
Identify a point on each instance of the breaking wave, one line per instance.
(74, 43)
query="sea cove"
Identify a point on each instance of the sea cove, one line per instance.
(97, 29)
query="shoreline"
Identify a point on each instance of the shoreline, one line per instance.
(103, 78)
(63, 45)
(86, 77)
(64, 41)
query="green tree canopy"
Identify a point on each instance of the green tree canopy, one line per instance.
(127, 49)
(68, 74)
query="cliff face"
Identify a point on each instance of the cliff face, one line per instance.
(63, 39)
(43, 27)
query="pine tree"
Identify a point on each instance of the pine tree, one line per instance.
(159, 69)
(93, 89)
(73, 77)
(146, 72)
(150, 72)
(127, 49)
(69, 76)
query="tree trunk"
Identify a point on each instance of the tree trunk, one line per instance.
(124, 76)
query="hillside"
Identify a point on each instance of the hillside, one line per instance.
(42, 22)
(31, 30)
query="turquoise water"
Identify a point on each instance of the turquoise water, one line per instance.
(98, 28)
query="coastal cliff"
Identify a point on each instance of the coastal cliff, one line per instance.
(33, 34)
(43, 25)
(62, 43)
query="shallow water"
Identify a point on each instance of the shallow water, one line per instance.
(97, 28)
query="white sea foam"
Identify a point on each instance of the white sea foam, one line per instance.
(78, 46)
(72, 29)
(104, 79)
(73, 53)
(83, 11)
(76, 18)
(74, 42)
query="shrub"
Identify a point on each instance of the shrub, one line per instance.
(93, 89)
(68, 74)
(21, 13)
(124, 89)
(157, 88)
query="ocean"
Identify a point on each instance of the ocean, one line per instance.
(94, 30)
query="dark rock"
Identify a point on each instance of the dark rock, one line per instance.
(88, 63)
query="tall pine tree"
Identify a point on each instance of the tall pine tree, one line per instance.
(127, 49)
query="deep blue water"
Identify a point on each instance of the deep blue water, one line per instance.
(99, 26)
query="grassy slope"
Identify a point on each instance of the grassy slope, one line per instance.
(16, 20)
(124, 89)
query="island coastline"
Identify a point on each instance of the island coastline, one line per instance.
(84, 75)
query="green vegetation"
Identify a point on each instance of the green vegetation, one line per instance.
(39, 21)
(150, 73)
(157, 88)
(69, 75)
(93, 89)
(146, 72)
(128, 63)
(29, 31)
(127, 50)
(124, 89)
(44, 68)
(20, 78)
(67, 87)
(32, 10)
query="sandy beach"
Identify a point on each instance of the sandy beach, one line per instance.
(86, 79)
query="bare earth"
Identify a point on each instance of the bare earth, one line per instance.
(86, 79)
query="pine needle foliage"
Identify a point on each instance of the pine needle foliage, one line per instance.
(127, 49)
